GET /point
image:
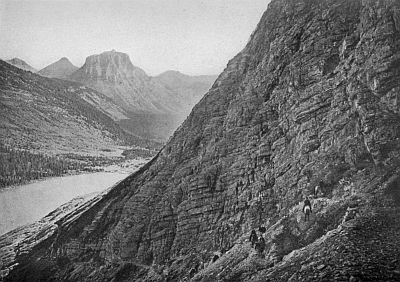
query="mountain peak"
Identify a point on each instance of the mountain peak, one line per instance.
(172, 74)
(60, 69)
(16, 62)
(113, 52)
(107, 66)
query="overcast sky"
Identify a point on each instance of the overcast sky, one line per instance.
(191, 36)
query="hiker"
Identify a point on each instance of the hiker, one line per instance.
(260, 245)
(307, 203)
(253, 238)
(307, 209)
(215, 258)
(192, 272)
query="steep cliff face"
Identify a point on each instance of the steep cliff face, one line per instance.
(60, 69)
(312, 99)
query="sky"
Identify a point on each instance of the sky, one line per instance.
(194, 37)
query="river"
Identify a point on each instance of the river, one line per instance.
(28, 203)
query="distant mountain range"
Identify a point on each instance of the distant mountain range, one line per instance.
(57, 116)
(155, 108)
(147, 107)
(191, 88)
(21, 64)
(60, 69)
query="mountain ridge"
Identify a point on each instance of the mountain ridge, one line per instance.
(21, 64)
(190, 88)
(35, 109)
(154, 110)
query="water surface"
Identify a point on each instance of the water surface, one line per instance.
(28, 203)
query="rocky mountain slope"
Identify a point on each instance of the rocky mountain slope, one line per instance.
(191, 88)
(21, 64)
(60, 69)
(154, 111)
(311, 100)
(56, 116)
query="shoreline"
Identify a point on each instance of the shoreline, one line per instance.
(117, 168)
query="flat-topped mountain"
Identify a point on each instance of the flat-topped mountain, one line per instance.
(113, 74)
(312, 100)
(155, 111)
(60, 69)
(21, 64)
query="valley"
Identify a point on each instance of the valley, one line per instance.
(48, 128)
(154, 107)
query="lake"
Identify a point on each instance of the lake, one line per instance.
(28, 203)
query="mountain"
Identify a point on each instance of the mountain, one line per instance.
(311, 100)
(60, 69)
(56, 116)
(192, 88)
(21, 64)
(155, 112)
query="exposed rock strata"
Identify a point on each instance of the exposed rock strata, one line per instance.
(312, 99)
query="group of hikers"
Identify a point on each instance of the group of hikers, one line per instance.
(258, 242)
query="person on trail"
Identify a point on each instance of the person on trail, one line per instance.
(307, 209)
(192, 272)
(260, 245)
(307, 203)
(215, 258)
(253, 238)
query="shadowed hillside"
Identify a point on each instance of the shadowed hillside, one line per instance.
(56, 116)
(311, 100)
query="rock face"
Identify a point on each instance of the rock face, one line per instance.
(60, 69)
(155, 111)
(311, 100)
(21, 64)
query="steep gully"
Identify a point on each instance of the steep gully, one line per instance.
(312, 99)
